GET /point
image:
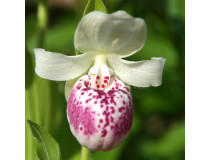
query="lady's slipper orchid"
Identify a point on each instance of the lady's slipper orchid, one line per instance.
(99, 106)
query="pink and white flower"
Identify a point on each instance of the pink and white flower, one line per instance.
(100, 105)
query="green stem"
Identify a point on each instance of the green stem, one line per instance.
(84, 153)
(42, 22)
(42, 18)
(33, 108)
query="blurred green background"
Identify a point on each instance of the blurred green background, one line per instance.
(158, 130)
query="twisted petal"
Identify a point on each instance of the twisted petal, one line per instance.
(117, 33)
(140, 74)
(59, 67)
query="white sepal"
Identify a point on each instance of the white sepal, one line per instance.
(117, 33)
(59, 67)
(140, 74)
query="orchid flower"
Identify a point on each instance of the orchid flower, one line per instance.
(99, 108)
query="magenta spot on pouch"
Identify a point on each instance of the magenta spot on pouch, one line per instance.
(123, 125)
(107, 114)
(121, 109)
(86, 83)
(78, 115)
(88, 100)
(104, 133)
(113, 110)
(111, 119)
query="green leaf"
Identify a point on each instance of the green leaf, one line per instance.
(46, 147)
(95, 5)
(40, 155)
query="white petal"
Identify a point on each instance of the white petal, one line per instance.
(59, 67)
(140, 74)
(117, 33)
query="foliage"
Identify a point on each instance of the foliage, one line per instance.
(46, 147)
(94, 5)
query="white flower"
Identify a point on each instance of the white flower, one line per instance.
(104, 39)
(109, 37)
